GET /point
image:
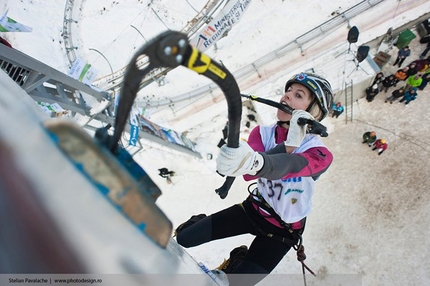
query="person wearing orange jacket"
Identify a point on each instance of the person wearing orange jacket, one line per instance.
(380, 145)
(401, 74)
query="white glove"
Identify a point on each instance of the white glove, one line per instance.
(296, 133)
(239, 161)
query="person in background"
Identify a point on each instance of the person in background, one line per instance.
(409, 96)
(284, 160)
(422, 64)
(371, 92)
(424, 53)
(337, 109)
(388, 82)
(425, 79)
(413, 81)
(401, 74)
(395, 95)
(378, 79)
(369, 138)
(402, 54)
(380, 145)
(412, 69)
(165, 173)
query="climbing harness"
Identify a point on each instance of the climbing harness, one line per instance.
(258, 199)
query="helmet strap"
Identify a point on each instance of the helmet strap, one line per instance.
(311, 104)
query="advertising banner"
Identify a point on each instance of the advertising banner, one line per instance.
(10, 25)
(220, 25)
(83, 72)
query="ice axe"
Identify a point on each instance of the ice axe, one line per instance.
(314, 126)
(170, 50)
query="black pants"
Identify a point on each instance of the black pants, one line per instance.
(399, 60)
(336, 113)
(264, 252)
(424, 53)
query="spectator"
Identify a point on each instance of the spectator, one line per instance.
(380, 145)
(396, 94)
(426, 78)
(409, 96)
(401, 74)
(371, 92)
(378, 79)
(422, 65)
(369, 137)
(337, 110)
(388, 82)
(413, 81)
(402, 54)
(424, 53)
(413, 70)
(165, 173)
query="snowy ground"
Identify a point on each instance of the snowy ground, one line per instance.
(370, 212)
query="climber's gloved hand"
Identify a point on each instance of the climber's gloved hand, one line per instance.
(239, 161)
(296, 132)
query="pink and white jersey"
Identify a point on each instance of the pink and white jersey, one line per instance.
(291, 198)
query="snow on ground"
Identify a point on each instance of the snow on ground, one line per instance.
(370, 212)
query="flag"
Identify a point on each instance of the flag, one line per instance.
(220, 25)
(134, 127)
(134, 135)
(10, 25)
(83, 72)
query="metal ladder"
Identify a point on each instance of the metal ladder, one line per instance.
(349, 101)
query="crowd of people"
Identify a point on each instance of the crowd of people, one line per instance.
(401, 86)
(406, 82)
(404, 85)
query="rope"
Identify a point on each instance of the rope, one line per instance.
(301, 256)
